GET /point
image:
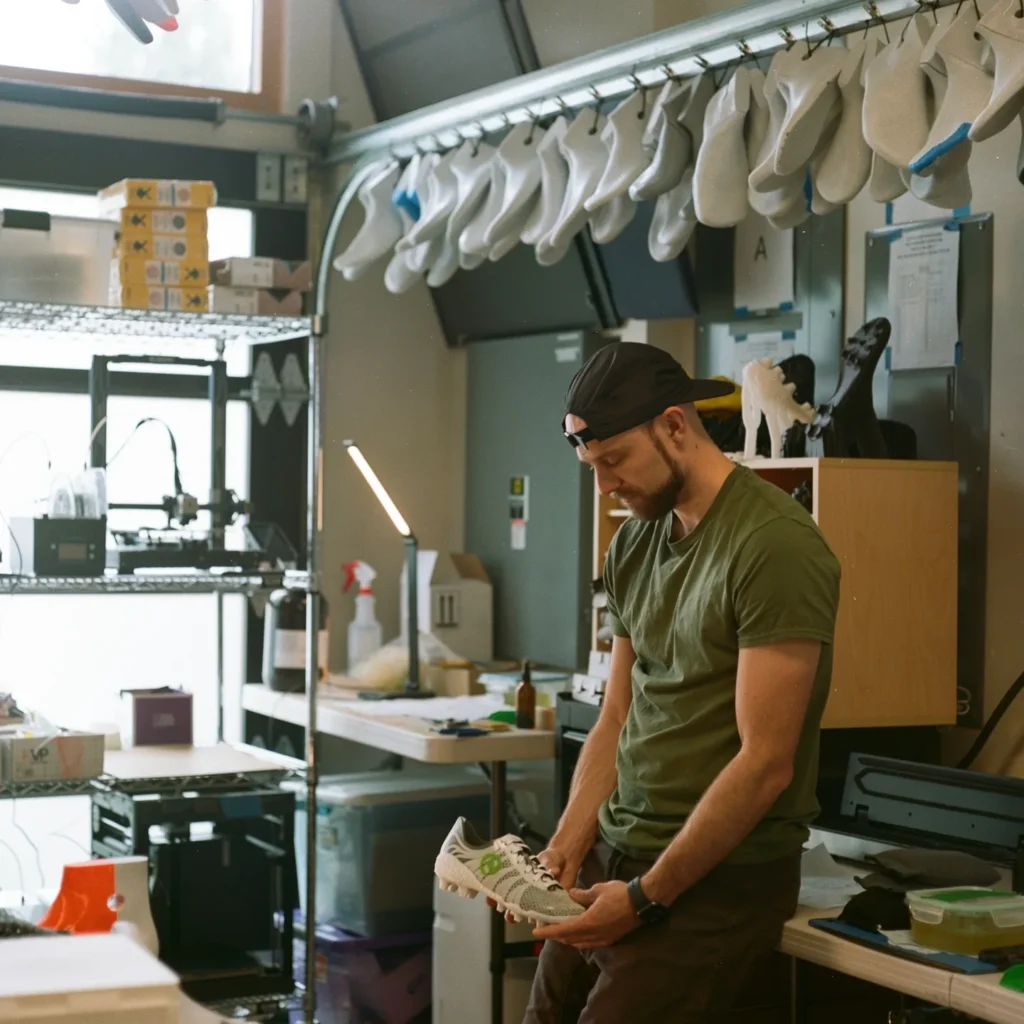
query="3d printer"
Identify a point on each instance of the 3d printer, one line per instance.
(180, 544)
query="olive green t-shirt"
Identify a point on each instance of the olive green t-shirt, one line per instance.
(755, 570)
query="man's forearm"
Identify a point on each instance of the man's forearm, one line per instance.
(736, 801)
(592, 783)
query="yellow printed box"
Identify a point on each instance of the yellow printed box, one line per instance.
(196, 195)
(192, 300)
(145, 245)
(169, 273)
(163, 222)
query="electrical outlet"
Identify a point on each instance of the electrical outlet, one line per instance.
(296, 179)
(268, 177)
(446, 609)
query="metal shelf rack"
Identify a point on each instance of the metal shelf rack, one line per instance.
(153, 583)
(141, 324)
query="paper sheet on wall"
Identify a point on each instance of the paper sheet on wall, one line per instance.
(773, 344)
(923, 269)
(762, 266)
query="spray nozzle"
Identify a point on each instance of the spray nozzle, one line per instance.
(361, 572)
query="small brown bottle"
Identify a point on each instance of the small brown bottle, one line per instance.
(526, 700)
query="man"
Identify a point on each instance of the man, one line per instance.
(693, 793)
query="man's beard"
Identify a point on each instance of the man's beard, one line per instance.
(656, 505)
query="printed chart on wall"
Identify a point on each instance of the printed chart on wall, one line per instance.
(762, 266)
(923, 269)
(773, 345)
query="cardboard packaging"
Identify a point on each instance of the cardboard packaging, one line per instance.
(192, 300)
(163, 222)
(254, 301)
(197, 195)
(460, 612)
(260, 272)
(156, 718)
(38, 758)
(169, 273)
(146, 245)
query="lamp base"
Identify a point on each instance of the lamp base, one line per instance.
(403, 694)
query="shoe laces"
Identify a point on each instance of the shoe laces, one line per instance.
(523, 857)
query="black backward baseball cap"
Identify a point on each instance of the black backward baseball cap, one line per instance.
(627, 384)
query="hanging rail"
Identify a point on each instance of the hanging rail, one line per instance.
(752, 30)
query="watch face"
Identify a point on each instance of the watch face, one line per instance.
(654, 913)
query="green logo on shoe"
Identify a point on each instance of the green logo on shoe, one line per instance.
(491, 864)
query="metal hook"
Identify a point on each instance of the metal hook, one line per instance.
(787, 37)
(1020, 9)
(673, 77)
(746, 53)
(478, 140)
(534, 120)
(642, 89)
(597, 110)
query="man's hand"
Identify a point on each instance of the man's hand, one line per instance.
(609, 917)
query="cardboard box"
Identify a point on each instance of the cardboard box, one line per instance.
(156, 718)
(40, 758)
(169, 273)
(456, 603)
(197, 195)
(192, 300)
(163, 222)
(255, 301)
(260, 272)
(147, 245)
(453, 679)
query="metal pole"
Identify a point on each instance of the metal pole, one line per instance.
(218, 448)
(220, 666)
(755, 28)
(413, 604)
(497, 920)
(314, 425)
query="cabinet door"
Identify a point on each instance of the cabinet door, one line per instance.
(541, 590)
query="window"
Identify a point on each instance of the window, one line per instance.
(228, 48)
(69, 656)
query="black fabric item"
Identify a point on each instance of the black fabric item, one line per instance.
(877, 909)
(627, 384)
(927, 869)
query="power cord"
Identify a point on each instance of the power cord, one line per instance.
(178, 489)
(994, 719)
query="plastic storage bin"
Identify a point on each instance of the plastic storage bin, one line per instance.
(55, 259)
(377, 839)
(87, 979)
(966, 919)
(359, 980)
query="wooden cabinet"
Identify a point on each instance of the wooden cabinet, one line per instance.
(893, 527)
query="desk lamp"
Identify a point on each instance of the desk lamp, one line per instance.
(412, 685)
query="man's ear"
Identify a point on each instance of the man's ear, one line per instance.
(674, 419)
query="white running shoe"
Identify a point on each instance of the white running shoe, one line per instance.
(505, 871)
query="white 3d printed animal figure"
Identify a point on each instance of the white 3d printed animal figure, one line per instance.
(765, 391)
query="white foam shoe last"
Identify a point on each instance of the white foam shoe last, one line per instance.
(844, 168)
(381, 228)
(612, 219)
(587, 157)
(721, 171)
(473, 241)
(886, 182)
(762, 164)
(897, 129)
(947, 190)
(807, 83)
(441, 191)
(1002, 27)
(627, 158)
(959, 55)
(399, 277)
(517, 155)
(445, 266)
(554, 176)
(471, 166)
(674, 221)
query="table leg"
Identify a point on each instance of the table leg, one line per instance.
(497, 920)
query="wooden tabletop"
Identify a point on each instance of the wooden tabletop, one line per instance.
(141, 763)
(404, 735)
(984, 997)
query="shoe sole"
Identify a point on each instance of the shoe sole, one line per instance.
(454, 876)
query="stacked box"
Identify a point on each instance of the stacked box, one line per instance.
(259, 286)
(162, 254)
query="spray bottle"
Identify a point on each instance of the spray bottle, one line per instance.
(365, 635)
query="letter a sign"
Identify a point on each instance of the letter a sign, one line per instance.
(762, 266)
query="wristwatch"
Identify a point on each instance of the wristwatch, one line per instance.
(647, 910)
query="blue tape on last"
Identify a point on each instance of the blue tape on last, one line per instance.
(888, 214)
(941, 149)
(958, 353)
(789, 335)
(742, 311)
(241, 806)
(958, 215)
(786, 307)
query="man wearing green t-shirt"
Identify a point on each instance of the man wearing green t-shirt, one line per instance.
(693, 794)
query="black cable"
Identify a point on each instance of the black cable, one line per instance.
(178, 489)
(994, 719)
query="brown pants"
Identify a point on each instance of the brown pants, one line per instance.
(685, 971)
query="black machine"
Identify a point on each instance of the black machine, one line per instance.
(173, 547)
(58, 547)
